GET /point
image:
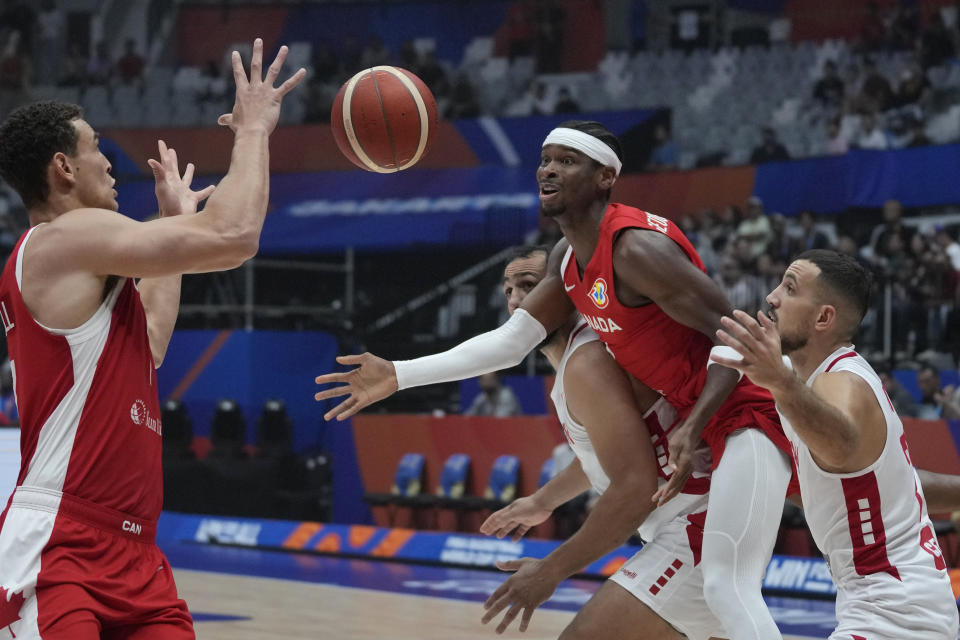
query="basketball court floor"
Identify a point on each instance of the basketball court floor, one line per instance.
(246, 594)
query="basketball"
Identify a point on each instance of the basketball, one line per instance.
(384, 119)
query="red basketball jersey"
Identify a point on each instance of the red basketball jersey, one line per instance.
(87, 397)
(656, 349)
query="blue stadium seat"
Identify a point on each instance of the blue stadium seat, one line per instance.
(501, 485)
(407, 483)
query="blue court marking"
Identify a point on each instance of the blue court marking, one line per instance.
(811, 618)
(215, 617)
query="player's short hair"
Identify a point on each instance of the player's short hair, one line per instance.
(843, 276)
(527, 251)
(29, 138)
(597, 130)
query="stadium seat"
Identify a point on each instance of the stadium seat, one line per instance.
(501, 485)
(451, 488)
(408, 481)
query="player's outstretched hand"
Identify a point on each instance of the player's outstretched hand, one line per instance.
(373, 380)
(516, 518)
(174, 196)
(257, 105)
(682, 446)
(525, 590)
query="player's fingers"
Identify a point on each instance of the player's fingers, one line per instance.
(354, 405)
(162, 147)
(203, 194)
(765, 320)
(332, 392)
(256, 62)
(520, 532)
(336, 376)
(337, 410)
(188, 174)
(292, 81)
(239, 76)
(735, 343)
(158, 171)
(506, 529)
(275, 66)
(225, 120)
(351, 359)
(508, 617)
(749, 323)
(737, 330)
(170, 161)
(525, 618)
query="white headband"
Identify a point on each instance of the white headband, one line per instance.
(586, 144)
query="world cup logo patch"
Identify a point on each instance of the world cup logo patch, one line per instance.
(598, 293)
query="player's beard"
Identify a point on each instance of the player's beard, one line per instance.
(552, 212)
(790, 343)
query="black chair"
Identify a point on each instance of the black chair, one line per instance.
(228, 431)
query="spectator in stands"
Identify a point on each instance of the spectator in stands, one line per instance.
(130, 64)
(433, 74)
(14, 73)
(375, 53)
(936, 44)
(463, 100)
(918, 133)
(215, 81)
(871, 137)
(494, 399)
(350, 55)
(549, 40)
(905, 27)
(754, 228)
(725, 228)
(536, 100)
(932, 396)
(51, 26)
(873, 33)
(810, 237)
(408, 57)
(892, 225)
(780, 245)
(947, 241)
(519, 31)
(770, 150)
(829, 89)
(325, 64)
(913, 89)
(74, 67)
(99, 67)
(903, 402)
(836, 143)
(8, 402)
(665, 154)
(875, 92)
(19, 17)
(769, 272)
(565, 102)
(741, 290)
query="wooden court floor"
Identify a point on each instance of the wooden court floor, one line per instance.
(278, 608)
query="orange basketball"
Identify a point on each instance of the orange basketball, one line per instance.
(384, 119)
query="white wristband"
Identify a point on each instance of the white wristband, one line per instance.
(501, 348)
(723, 351)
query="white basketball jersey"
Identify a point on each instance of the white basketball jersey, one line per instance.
(660, 419)
(873, 528)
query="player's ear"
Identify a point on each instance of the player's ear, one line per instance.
(608, 176)
(827, 317)
(60, 168)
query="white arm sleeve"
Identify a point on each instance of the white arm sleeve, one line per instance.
(501, 348)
